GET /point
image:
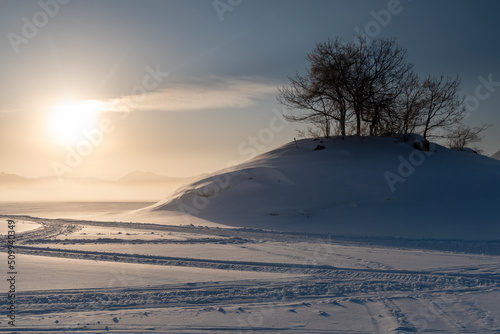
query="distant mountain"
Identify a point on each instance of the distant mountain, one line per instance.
(496, 155)
(136, 177)
(148, 177)
(13, 178)
(73, 179)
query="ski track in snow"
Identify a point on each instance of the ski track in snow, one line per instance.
(312, 297)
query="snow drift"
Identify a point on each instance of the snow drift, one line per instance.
(377, 186)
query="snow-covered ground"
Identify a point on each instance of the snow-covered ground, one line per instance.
(21, 226)
(219, 280)
(326, 246)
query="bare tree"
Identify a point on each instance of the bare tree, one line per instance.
(304, 94)
(405, 114)
(462, 135)
(443, 106)
(382, 73)
(319, 126)
(318, 94)
(361, 79)
(372, 84)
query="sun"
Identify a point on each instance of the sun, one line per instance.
(68, 121)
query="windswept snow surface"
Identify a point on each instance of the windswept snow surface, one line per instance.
(233, 280)
(378, 186)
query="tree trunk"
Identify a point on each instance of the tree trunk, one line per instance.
(327, 127)
(342, 124)
(358, 123)
(426, 128)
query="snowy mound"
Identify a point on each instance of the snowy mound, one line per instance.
(365, 186)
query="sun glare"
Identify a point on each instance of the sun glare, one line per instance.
(68, 121)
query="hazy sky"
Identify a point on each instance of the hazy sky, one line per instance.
(184, 87)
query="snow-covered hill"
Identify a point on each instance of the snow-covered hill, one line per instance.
(364, 186)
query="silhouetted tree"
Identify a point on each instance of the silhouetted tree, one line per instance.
(372, 84)
(443, 105)
(319, 94)
(380, 73)
(462, 135)
(362, 78)
(404, 115)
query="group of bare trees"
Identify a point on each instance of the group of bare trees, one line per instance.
(369, 88)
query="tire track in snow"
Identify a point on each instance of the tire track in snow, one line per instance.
(323, 270)
(404, 325)
(489, 247)
(459, 313)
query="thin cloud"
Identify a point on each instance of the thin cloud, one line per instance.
(201, 94)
